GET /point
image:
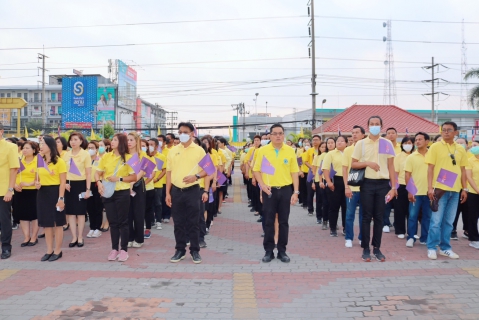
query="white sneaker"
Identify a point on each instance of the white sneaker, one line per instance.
(158, 226)
(348, 244)
(136, 244)
(474, 244)
(449, 253)
(423, 243)
(90, 234)
(166, 220)
(130, 244)
(386, 229)
(431, 254)
(416, 236)
(400, 236)
(410, 243)
(96, 234)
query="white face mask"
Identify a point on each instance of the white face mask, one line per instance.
(184, 138)
(160, 144)
(143, 149)
(407, 147)
(264, 142)
(91, 152)
(151, 148)
(306, 147)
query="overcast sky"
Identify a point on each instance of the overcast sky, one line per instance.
(201, 80)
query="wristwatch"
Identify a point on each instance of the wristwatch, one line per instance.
(296, 192)
(197, 176)
(465, 189)
(121, 179)
(10, 189)
(205, 191)
(61, 199)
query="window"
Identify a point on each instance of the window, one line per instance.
(25, 111)
(2, 95)
(9, 95)
(36, 97)
(19, 95)
(25, 96)
(54, 96)
(59, 96)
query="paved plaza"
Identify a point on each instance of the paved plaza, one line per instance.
(324, 280)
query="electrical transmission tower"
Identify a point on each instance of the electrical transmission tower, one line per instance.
(390, 95)
(464, 90)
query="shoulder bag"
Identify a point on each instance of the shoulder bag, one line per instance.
(356, 176)
(108, 186)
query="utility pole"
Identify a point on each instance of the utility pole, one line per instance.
(433, 93)
(313, 62)
(44, 105)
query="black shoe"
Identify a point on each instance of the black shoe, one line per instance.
(105, 230)
(262, 235)
(67, 227)
(344, 232)
(24, 244)
(46, 256)
(269, 255)
(179, 255)
(202, 244)
(55, 257)
(333, 233)
(319, 221)
(325, 225)
(366, 255)
(72, 244)
(31, 244)
(195, 255)
(250, 205)
(259, 220)
(454, 235)
(215, 215)
(310, 213)
(283, 257)
(81, 244)
(41, 236)
(465, 235)
(378, 255)
(252, 210)
(6, 253)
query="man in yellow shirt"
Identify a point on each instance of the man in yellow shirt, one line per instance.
(277, 190)
(472, 171)
(446, 176)
(183, 192)
(9, 165)
(249, 159)
(378, 162)
(165, 143)
(461, 207)
(416, 169)
(311, 153)
(392, 135)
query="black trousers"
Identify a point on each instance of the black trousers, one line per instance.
(6, 223)
(94, 207)
(372, 195)
(464, 209)
(401, 210)
(310, 195)
(166, 211)
(116, 208)
(158, 203)
(202, 221)
(184, 210)
(319, 201)
(136, 216)
(337, 200)
(279, 203)
(473, 214)
(258, 206)
(254, 191)
(210, 209)
(149, 209)
(248, 187)
(303, 190)
(325, 199)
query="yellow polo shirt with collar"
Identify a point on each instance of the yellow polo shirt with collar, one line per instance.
(371, 154)
(397, 148)
(317, 162)
(473, 165)
(304, 157)
(334, 158)
(399, 165)
(165, 153)
(28, 174)
(82, 160)
(284, 162)
(439, 155)
(417, 166)
(182, 162)
(161, 157)
(109, 162)
(52, 178)
(347, 160)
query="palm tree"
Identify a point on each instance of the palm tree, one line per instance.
(474, 93)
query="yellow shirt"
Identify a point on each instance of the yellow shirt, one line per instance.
(439, 155)
(249, 159)
(371, 153)
(284, 162)
(399, 164)
(28, 175)
(162, 157)
(108, 164)
(63, 153)
(299, 152)
(94, 166)
(52, 178)
(347, 160)
(82, 160)
(397, 149)
(304, 157)
(334, 158)
(317, 163)
(469, 155)
(182, 162)
(8, 160)
(165, 153)
(417, 166)
(222, 157)
(473, 165)
(228, 159)
(242, 157)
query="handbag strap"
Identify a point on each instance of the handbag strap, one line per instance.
(116, 168)
(362, 154)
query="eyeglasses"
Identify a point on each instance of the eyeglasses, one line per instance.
(448, 130)
(274, 134)
(453, 159)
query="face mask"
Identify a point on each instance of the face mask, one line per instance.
(167, 141)
(463, 145)
(160, 144)
(246, 150)
(300, 144)
(264, 142)
(374, 130)
(474, 150)
(306, 148)
(151, 148)
(143, 149)
(184, 137)
(101, 150)
(407, 147)
(91, 152)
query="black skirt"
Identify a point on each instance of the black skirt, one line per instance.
(25, 205)
(73, 205)
(48, 216)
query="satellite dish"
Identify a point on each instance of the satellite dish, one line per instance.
(385, 24)
(384, 39)
(386, 62)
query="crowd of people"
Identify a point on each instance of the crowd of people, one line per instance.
(129, 185)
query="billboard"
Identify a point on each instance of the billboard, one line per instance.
(127, 78)
(105, 106)
(5, 117)
(79, 96)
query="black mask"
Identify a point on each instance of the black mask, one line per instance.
(167, 140)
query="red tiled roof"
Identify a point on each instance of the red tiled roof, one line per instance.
(392, 116)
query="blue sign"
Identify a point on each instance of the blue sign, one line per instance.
(79, 97)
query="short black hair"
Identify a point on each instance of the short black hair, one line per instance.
(276, 125)
(318, 136)
(256, 137)
(63, 141)
(437, 137)
(404, 140)
(376, 117)
(162, 136)
(425, 135)
(391, 128)
(24, 139)
(172, 135)
(360, 128)
(189, 125)
(451, 123)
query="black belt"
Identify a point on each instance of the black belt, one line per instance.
(282, 187)
(187, 188)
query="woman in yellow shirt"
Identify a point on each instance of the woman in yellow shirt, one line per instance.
(401, 204)
(321, 197)
(94, 203)
(51, 184)
(62, 146)
(153, 145)
(26, 194)
(78, 186)
(104, 146)
(472, 172)
(150, 193)
(113, 168)
(211, 207)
